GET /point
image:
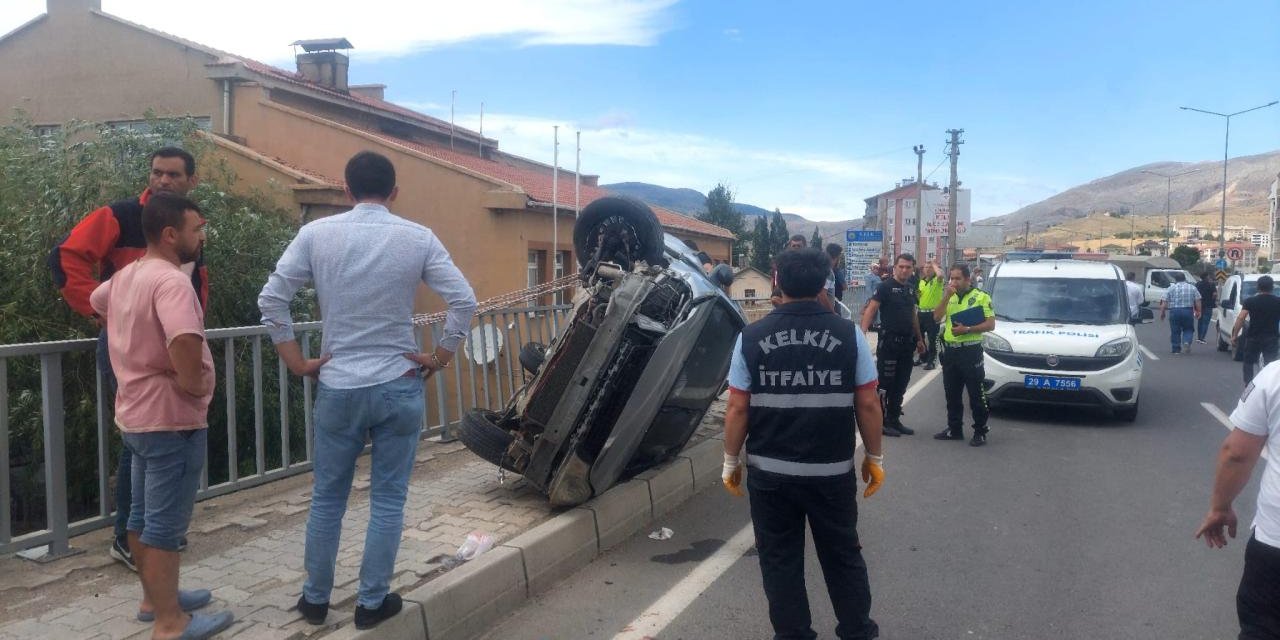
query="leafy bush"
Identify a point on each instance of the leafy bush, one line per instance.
(49, 180)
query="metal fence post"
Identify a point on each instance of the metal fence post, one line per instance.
(55, 457)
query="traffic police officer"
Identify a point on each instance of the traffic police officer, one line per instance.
(930, 293)
(801, 379)
(900, 339)
(962, 353)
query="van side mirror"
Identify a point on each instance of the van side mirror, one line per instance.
(1145, 316)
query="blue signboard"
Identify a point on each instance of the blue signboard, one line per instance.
(863, 236)
(1221, 263)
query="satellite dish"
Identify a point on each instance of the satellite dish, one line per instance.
(484, 345)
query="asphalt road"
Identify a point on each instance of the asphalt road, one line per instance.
(1069, 524)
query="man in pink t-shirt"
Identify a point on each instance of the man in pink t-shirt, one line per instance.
(155, 327)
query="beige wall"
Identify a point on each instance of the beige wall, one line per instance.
(79, 65)
(751, 280)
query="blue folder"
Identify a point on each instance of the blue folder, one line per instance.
(969, 317)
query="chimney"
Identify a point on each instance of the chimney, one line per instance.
(59, 7)
(375, 91)
(322, 63)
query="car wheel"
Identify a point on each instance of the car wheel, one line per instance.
(1129, 413)
(619, 230)
(1223, 345)
(532, 355)
(478, 430)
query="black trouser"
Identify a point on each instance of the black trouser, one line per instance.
(962, 370)
(1258, 599)
(1265, 347)
(779, 507)
(893, 365)
(929, 329)
(124, 465)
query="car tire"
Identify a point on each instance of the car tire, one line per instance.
(1129, 413)
(478, 430)
(532, 355)
(628, 228)
(1223, 345)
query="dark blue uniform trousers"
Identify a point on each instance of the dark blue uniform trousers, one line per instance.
(779, 506)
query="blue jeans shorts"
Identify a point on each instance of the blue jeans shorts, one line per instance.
(166, 475)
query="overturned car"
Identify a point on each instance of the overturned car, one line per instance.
(627, 381)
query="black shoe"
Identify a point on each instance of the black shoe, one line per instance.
(182, 544)
(120, 553)
(929, 366)
(949, 434)
(904, 430)
(979, 439)
(891, 431)
(370, 618)
(313, 613)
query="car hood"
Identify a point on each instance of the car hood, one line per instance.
(1059, 339)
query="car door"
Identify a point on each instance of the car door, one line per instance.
(1229, 303)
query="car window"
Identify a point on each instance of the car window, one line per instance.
(1060, 300)
(1250, 288)
(1160, 279)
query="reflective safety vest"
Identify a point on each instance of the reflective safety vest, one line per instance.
(802, 359)
(974, 297)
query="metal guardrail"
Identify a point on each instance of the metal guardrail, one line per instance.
(487, 373)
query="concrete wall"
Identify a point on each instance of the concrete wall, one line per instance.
(74, 64)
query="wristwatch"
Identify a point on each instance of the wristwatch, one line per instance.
(435, 360)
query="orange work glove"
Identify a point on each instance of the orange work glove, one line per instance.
(872, 474)
(731, 475)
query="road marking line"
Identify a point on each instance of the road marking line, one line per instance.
(1147, 352)
(672, 603)
(1226, 422)
(1217, 413)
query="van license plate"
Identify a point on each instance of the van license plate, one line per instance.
(1052, 382)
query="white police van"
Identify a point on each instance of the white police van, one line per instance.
(1063, 336)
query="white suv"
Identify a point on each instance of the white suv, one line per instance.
(1063, 336)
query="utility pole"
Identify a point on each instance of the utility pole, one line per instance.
(953, 150)
(919, 151)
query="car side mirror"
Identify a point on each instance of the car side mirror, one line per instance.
(1145, 316)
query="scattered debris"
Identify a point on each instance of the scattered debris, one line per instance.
(662, 534)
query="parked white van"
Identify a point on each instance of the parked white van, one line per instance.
(1231, 297)
(1063, 336)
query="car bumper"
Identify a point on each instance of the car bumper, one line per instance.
(1114, 387)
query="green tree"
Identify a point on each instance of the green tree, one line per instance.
(1209, 236)
(1185, 255)
(49, 182)
(815, 240)
(761, 248)
(778, 233)
(721, 212)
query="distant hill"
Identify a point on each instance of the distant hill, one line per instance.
(691, 202)
(1248, 184)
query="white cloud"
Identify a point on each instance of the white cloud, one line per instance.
(384, 28)
(815, 185)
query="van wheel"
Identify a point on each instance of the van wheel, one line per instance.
(1223, 345)
(1129, 413)
(479, 431)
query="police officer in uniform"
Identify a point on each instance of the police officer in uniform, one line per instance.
(900, 340)
(930, 294)
(962, 368)
(801, 380)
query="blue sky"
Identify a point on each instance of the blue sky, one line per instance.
(809, 107)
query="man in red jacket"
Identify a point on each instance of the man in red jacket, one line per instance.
(104, 242)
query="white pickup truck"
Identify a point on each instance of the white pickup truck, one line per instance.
(1154, 273)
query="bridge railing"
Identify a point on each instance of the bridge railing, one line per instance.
(260, 428)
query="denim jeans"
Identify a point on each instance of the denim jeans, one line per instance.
(166, 475)
(1202, 326)
(1182, 327)
(390, 415)
(124, 467)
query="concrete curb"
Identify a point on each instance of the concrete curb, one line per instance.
(471, 598)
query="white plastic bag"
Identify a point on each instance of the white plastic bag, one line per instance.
(477, 542)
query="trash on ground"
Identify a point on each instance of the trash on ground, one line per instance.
(662, 534)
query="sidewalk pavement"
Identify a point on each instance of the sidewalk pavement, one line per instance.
(247, 548)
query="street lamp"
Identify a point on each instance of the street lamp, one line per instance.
(1168, 186)
(1222, 227)
(1132, 213)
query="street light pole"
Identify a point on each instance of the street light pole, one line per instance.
(1226, 145)
(1168, 190)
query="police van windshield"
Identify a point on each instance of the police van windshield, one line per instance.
(1059, 300)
